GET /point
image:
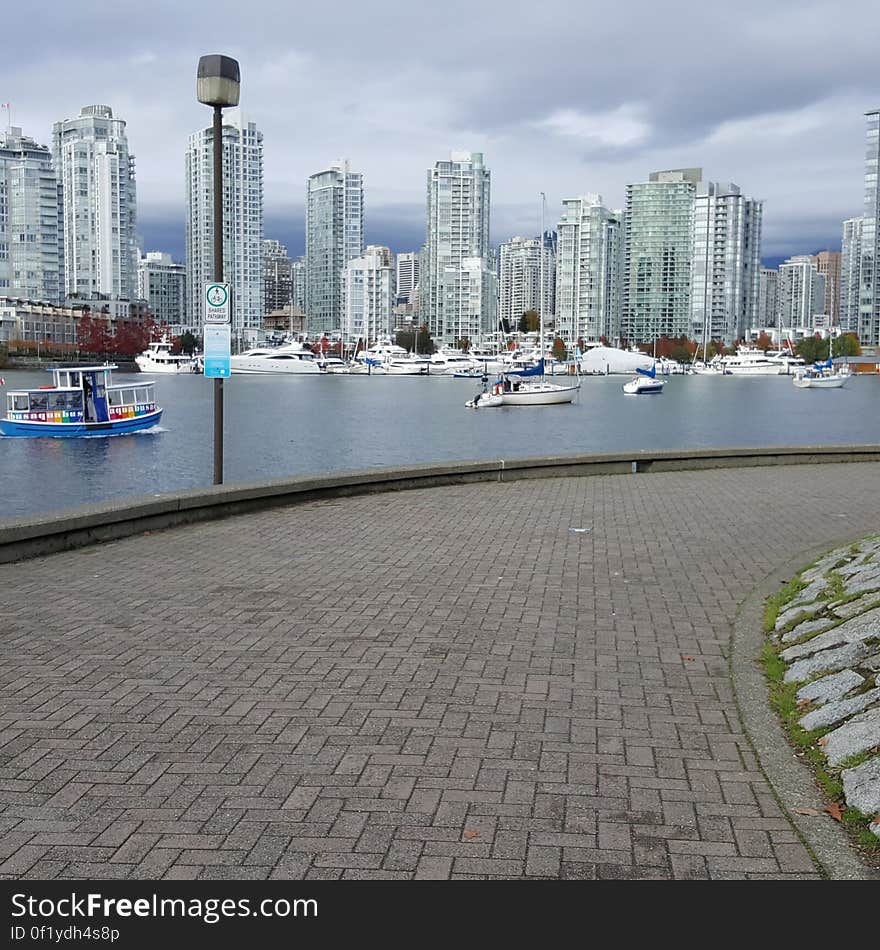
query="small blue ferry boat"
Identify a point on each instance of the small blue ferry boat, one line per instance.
(83, 400)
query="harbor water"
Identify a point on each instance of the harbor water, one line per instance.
(302, 425)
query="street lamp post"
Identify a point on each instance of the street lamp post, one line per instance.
(218, 85)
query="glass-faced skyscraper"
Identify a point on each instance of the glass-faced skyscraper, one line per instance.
(334, 236)
(242, 222)
(588, 261)
(29, 239)
(869, 281)
(457, 274)
(520, 279)
(162, 283)
(726, 266)
(369, 296)
(277, 277)
(850, 264)
(658, 249)
(99, 204)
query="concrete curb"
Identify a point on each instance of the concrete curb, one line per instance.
(83, 526)
(792, 780)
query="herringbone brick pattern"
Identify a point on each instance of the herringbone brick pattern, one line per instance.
(429, 684)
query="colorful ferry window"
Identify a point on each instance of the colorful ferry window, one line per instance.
(39, 402)
(114, 397)
(20, 402)
(143, 395)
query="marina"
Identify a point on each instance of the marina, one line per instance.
(278, 426)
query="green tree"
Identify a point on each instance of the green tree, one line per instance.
(810, 349)
(529, 322)
(847, 345)
(424, 341)
(419, 341)
(464, 344)
(189, 342)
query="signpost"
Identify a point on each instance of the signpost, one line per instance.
(217, 331)
(217, 347)
(217, 308)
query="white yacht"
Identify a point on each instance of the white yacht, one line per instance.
(290, 359)
(335, 365)
(748, 361)
(393, 359)
(447, 362)
(788, 361)
(158, 358)
(487, 358)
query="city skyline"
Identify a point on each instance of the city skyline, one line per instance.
(778, 104)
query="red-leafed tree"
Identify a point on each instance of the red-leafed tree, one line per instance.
(131, 338)
(93, 333)
(763, 342)
(663, 348)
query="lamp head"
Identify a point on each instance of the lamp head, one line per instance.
(218, 80)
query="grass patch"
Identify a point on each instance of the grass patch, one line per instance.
(783, 699)
(777, 601)
(836, 587)
(855, 760)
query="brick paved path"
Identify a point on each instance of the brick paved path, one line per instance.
(438, 683)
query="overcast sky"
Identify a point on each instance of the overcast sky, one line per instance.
(561, 96)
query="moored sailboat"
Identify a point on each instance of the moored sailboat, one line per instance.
(645, 383)
(821, 376)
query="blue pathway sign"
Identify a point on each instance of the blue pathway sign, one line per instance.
(218, 349)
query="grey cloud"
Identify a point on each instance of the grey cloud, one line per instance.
(396, 87)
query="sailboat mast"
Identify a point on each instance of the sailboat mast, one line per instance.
(541, 282)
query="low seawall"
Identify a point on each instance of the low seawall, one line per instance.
(34, 537)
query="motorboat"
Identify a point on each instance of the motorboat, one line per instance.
(395, 360)
(334, 365)
(644, 383)
(485, 399)
(410, 364)
(787, 359)
(821, 376)
(82, 401)
(446, 362)
(700, 368)
(487, 359)
(748, 361)
(286, 360)
(158, 358)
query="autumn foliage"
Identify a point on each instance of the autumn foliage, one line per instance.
(96, 334)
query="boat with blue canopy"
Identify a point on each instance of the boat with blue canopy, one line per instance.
(82, 401)
(822, 376)
(644, 383)
(526, 387)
